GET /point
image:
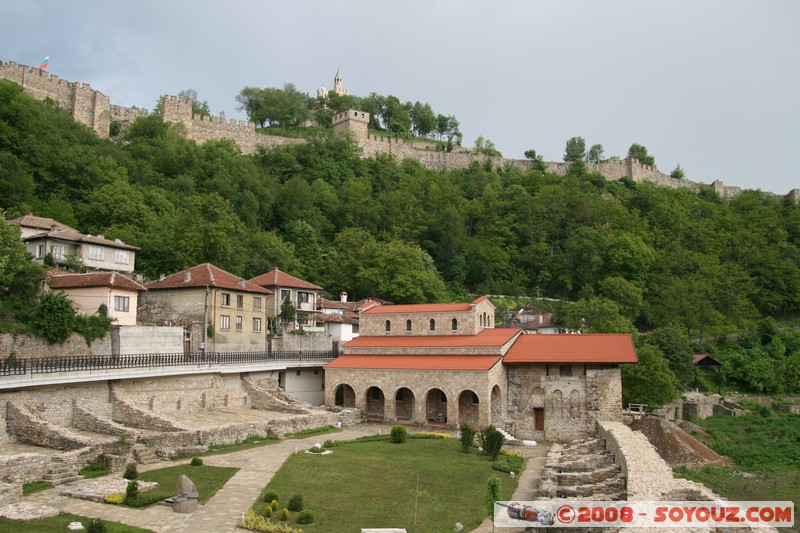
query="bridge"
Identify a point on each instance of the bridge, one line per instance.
(38, 371)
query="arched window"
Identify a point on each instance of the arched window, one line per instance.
(454, 324)
(433, 325)
(388, 326)
(408, 325)
(475, 398)
(480, 317)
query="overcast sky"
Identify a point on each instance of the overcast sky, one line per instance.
(712, 85)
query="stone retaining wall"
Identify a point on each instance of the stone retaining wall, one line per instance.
(30, 429)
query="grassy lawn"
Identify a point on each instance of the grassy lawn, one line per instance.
(207, 479)
(765, 449)
(59, 523)
(374, 484)
(249, 442)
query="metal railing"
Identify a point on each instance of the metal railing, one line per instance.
(74, 363)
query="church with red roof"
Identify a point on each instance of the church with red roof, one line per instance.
(446, 364)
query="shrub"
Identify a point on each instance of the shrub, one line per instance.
(491, 441)
(196, 461)
(115, 498)
(284, 514)
(96, 526)
(130, 471)
(271, 495)
(399, 434)
(295, 503)
(492, 493)
(467, 437)
(255, 522)
(268, 511)
(305, 517)
(274, 505)
(330, 444)
(131, 491)
(52, 317)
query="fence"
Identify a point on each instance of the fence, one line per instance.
(72, 363)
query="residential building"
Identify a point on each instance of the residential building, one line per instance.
(89, 291)
(219, 311)
(301, 293)
(44, 236)
(447, 364)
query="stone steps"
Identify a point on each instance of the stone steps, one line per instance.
(583, 469)
(597, 475)
(144, 455)
(59, 473)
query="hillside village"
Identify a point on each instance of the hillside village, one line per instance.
(200, 356)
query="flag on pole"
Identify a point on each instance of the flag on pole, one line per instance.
(44, 63)
(519, 313)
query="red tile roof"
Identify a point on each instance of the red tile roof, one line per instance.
(703, 359)
(494, 337)
(205, 275)
(94, 279)
(276, 278)
(415, 362)
(596, 348)
(31, 221)
(425, 308)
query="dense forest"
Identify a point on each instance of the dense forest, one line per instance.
(679, 266)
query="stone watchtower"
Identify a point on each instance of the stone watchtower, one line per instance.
(352, 121)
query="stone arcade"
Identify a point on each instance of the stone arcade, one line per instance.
(447, 364)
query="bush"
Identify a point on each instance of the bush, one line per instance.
(131, 491)
(196, 461)
(491, 441)
(52, 317)
(284, 514)
(274, 505)
(115, 498)
(268, 511)
(467, 437)
(330, 444)
(295, 503)
(493, 488)
(271, 495)
(130, 471)
(255, 522)
(399, 434)
(96, 526)
(305, 517)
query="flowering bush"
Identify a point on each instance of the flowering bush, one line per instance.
(116, 498)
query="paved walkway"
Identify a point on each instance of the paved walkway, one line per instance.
(256, 468)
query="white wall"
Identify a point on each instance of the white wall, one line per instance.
(150, 339)
(307, 386)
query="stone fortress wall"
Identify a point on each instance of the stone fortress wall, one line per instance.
(93, 109)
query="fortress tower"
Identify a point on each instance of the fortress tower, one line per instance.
(352, 121)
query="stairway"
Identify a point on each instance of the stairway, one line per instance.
(59, 473)
(144, 455)
(511, 439)
(582, 469)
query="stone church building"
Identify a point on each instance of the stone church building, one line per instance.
(447, 364)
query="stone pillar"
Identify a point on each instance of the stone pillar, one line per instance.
(361, 400)
(452, 410)
(389, 408)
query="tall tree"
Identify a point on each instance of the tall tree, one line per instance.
(637, 151)
(575, 150)
(596, 153)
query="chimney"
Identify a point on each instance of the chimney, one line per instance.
(240, 283)
(187, 276)
(161, 277)
(343, 296)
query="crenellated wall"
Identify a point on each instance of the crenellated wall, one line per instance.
(93, 109)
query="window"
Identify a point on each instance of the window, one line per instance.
(40, 251)
(454, 324)
(256, 324)
(224, 322)
(256, 303)
(121, 257)
(57, 250)
(303, 297)
(225, 299)
(121, 303)
(239, 301)
(565, 371)
(285, 293)
(238, 323)
(376, 393)
(408, 325)
(475, 399)
(388, 326)
(96, 253)
(432, 326)
(399, 395)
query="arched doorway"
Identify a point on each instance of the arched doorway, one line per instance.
(469, 408)
(436, 406)
(344, 396)
(498, 414)
(404, 404)
(375, 403)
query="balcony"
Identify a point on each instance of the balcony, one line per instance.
(305, 306)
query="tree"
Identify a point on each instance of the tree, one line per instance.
(625, 294)
(13, 255)
(198, 108)
(423, 119)
(486, 146)
(676, 347)
(288, 313)
(596, 153)
(678, 173)
(52, 317)
(538, 163)
(637, 151)
(575, 150)
(594, 315)
(650, 381)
